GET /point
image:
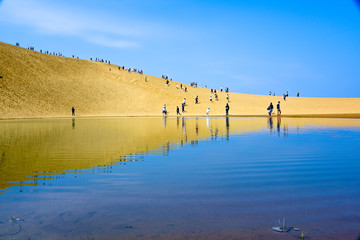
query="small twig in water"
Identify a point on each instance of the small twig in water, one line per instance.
(11, 234)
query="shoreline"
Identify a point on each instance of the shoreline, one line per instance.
(329, 115)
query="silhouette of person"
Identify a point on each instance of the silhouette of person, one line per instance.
(73, 111)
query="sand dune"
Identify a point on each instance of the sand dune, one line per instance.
(37, 85)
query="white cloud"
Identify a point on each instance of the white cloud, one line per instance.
(58, 20)
(108, 42)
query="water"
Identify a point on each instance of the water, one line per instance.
(179, 178)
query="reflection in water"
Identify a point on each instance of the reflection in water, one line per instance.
(151, 189)
(47, 147)
(164, 121)
(183, 125)
(227, 129)
(197, 127)
(270, 124)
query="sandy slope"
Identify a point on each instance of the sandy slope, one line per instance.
(36, 85)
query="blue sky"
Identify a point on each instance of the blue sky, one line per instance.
(251, 46)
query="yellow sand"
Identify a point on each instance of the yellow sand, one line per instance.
(37, 85)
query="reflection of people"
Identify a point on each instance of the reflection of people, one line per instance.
(227, 128)
(164, 121)
(73, 123)
(278, 124)
(183, 125)
(270, 121)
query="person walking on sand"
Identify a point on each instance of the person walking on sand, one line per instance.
(207, 111)
(164, 110)
(278, 109)
(298, 94)
(73, 111)
(197, 100)
(210, 98)
(270, 108)
(177, 110)
(227, 107)
(177, 86)
(184, 101)
(227, 97)
(183, 107)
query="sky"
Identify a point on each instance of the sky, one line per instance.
(250, 46)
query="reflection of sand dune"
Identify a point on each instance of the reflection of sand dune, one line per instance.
(32, 147)
(40, 85)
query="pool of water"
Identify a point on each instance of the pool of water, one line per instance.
(180, 178)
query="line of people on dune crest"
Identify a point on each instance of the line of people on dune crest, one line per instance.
(285, 95)
(97, 59)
